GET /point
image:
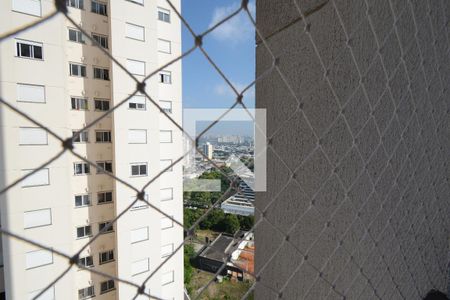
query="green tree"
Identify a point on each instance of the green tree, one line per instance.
(229, 224)
(246, 222)
(189, 253)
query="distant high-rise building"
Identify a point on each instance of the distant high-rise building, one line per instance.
(208, 150)
(56, 75)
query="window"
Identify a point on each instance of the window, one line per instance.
(87, 261)
(32, 136)
(167, 277)
(84, 231)
(139, 169)
(37, 218)
(38, 258)
(104, 166)
(163, 15)
(85, 293)
(135, 32)
(30, 93)
(81, 168)
(76, 36)
(106, 286)
(165, 77)
(102, 40)
(106, 226)
(166, 194)
(139, 235)
(30, 7)
(166, 106)
(165, 163)
(137, 1)
(165, 136)
(164, 46)
(106, 257)
(166, 250)
(140, 266)
(98, 7)
(139, 204)
(80, 136)
(166, 223)
(137, 136)
(28, 49)
(137, 102)
(101, 105)
(101, 73)
(136, 67)
(47, 295)
(82, 200)
(103, 136)
(104, 197)
(39, 178)
(76, 3)
(77, 70)
(79, 103)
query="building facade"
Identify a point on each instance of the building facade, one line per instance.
(56, 75)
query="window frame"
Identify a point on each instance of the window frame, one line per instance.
(169, 160)
(32, 45)
(84, 165)
(76, 100)
(103, 224)
(163, 74)
(108, 253)
(103, 72)
(86, 296)
(136, 108)
(79, 36)
(99, 100)
(170, 46)
(171, 193)
(135, 25)
(139, 164)
(30, 84)
(100, 37)
(83, 197)
(167, 110)
(97, 4)
(81, 138)
(109, 286)
(80, 67)
(164, 12)
(68, 2)
(85, 231)
(103, 133)
(171, 136)
(85, 261)
(105, 164)
(104, 193)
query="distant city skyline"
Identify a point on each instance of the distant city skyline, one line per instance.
(242, 128)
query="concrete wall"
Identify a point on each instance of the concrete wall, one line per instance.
(358, 125)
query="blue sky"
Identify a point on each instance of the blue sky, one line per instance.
(231, 46)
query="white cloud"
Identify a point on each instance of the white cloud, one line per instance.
(237, 29)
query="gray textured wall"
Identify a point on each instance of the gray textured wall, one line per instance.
(358, 110)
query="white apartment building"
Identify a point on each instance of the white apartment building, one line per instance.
(53, 73)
